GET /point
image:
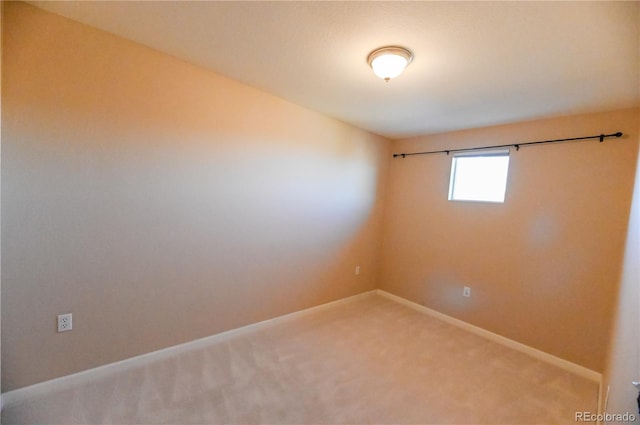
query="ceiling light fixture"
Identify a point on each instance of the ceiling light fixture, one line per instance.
(388, 62)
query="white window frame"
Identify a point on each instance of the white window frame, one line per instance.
(477, 154)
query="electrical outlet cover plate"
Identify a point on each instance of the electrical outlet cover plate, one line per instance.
(65, 322)
(466, 292)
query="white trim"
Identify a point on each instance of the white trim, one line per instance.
(483, 152)
(63, 382)
(42, 388)
(533, 352)
(603, 399)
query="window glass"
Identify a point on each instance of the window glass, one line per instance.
(479, 176)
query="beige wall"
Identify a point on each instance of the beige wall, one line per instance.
(623, 365)
(544, 266)
(160, 202)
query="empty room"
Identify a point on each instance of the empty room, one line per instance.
(320, 212)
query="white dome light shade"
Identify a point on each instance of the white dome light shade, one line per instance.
(389, 62)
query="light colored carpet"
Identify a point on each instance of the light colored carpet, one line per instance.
(367, 361)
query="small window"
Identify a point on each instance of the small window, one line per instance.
(479, 176)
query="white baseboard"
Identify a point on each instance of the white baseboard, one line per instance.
(37, 390)
(533, 352)
(42, 388)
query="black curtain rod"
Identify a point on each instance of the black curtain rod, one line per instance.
(515, 145)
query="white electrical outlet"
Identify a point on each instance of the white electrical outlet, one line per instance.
(357, 270)
(466, 292)
(65, 322)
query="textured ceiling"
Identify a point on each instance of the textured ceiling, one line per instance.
(476, 63)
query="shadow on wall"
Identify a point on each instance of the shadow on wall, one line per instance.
(138, 189)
